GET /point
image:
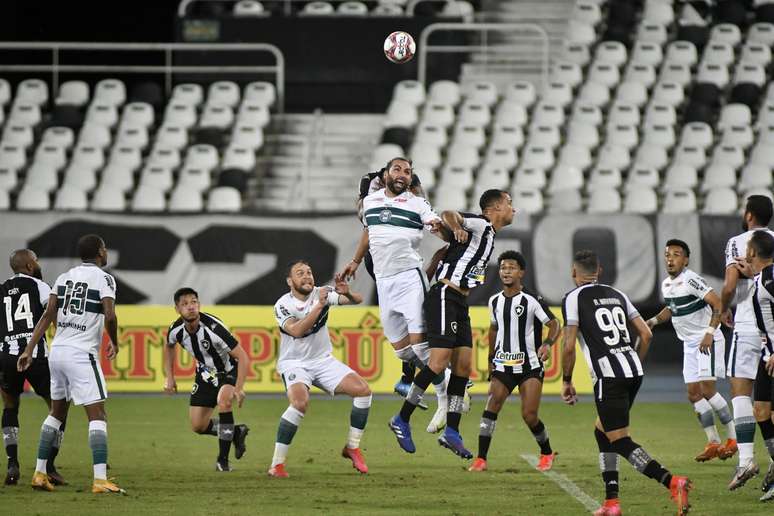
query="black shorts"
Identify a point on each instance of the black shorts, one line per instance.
(764, 385)
(447, 318)
(614, 398)
(513, 380)
(204, 393)
(12, 381)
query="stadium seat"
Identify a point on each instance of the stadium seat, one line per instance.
(583, 135)
(530, 200)
(455, 176)
(699, 112)
(450, 198)
(45, 154)
(223, 93)
(545, 114)
(188, 94)
(25, 114)
(605, 74)
(117, 177)
(726, 33)
(728, 155)
(58, 137)
(125, 157)
(9, 179)
(690, 155)
(148, 199)
(705, 93)
(681, 53)
(75, 93)
(409, 91)
(761, 155)
(32, 91)
(604, 200)
(718, 176)
(510, 113)
(444, 92)
(521, 92)
(611, 53)
(235, 178)
(632, 93)
(613, 157)
(565, 176)
(680, 176)
(254, 112)
(80, 177)
(18, 135)
(734, 115)
(70, 198)
(640, 176)
(441, 115)
(529, 178)
(163, 157)
(132, 136)
(108, 199)
(352, 8)
(224, 199)
(382, 154)
(577, 53)
(761, 33)
(491, 177)
(387, 10)
(138, 114)
(111, 92)
(698, 34)
(647, 53)
(593, 94)
(501, 156)
(544, 136)
(660, 114)
(586, 12)
(558, 93)
(471, 135)
(716, 74)
(652, 33)
(32, 198)
(651, 155)
(604, 178)
(88, 157)
(668, 93)
(641, 73)
(720, 201)
(718, 54)
(401, 114)
(579, 32)
(626, 136)
(766, 134)
(196, 178)
(474, 114)
(697, 134)
(660, 13)
(659, 135)
(587, 113)
(238, 157)
(180, 114)
(171, 136)
(216, 116)
(567, 73)
(677, 73)
(13, 157)
(537, 157)
(249, 8)
(317, 8)
(755, 54)
(66, 116)
(565, 201)
(430, 134)
(640, 200)
(462, 156)
(746, 93)
(480, 92)
(42, 176)
(738, 135)
(247, 136)
(157, 177)
(679, 201)
(754, 176)
(186, 199)
(575, 155)
(5, 93)
(750, 73)
(766, 114)
(102, 114)
(400, 136)
(507, 135)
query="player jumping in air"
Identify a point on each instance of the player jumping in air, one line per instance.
(745, 352)
(597, 316)
(25, 297)
(447, 316)
(694, 309)
(81, 304)
(221, 370)
(305, 359)
(516, 356)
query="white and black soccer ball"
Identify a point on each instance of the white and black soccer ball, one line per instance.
(399, 47)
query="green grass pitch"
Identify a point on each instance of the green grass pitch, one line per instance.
(167, 469)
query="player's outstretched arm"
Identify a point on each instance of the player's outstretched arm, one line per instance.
(346, 296)
(111, 325)
(170, 385)
(663, 316)
(568, 364)
(492, 343)
(49, 316)
(242, 360)
(453, 221)
(727, 294)
(645, 336)
(708, 341)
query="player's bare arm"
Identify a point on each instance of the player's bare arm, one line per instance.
(568, 365)
(660, 318)
(170, 385)
(553, 333)
(492, 342)
(727, 294)
(708, 340)
(299, 327)
(49, 316)
(645, 336)
(111, 325)
(239, 354)
(346, 296)
(453, 221)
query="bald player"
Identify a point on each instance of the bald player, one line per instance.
(24, 298)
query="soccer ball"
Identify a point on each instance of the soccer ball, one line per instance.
(399, 47)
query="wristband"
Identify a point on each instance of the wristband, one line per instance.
(566, 378)
(710, 330)
(653, 320)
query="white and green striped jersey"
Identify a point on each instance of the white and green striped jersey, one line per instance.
(395, 226)
(79, 317)
(684, 296)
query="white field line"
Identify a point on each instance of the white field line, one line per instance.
(566, 484)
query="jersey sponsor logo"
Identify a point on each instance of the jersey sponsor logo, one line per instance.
(72, 325)
(477, 273)
(696, 284)
(509, 359)
(385, 216)
(401, 199)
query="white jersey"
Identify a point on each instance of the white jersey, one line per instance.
(684, 296)
(316, 344)
(395, 226)
(744, 318)
(79, 317)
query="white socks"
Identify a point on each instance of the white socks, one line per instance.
(706, 419)
(744, 422)
(357, 420)
(720, 407)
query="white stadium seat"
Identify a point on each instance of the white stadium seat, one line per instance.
(718, 53)
(650, 155)
(157, 177)
(718, 176)
(74, 93)
(756, 54)
(681, 53)
(441, 115)
(138, 113)
(224, 199)
(640, 176)
(110, 91)
(652, 33)
(453, 176)
(538, 157)
(698, 134)
(528, 199)
(70, 198)
(511, 113)
(740, 135)
(720, 201)
(462, 156)
(196, 178)
(568, 73)
(509, 135)
(677, 73)
(352, 8)
(734, 114)
(481, 92)
(587, 113)
(531, 178)
(680, 176)
(594, 94)
(565, 176)
(180, 114)
(576, 52)
(471, 135)
(668, 93)
(726, 33)
(633, 93)
(186, 198)
(647, 53)
(80, 177)
(218, 116)
(558, 93)
(641, 73)
(163, 157)
(660, 114)
(754, 176)
(32, 91)
(548, 114)
(679, 201)
(9, 179)
(26, 114)
(59, 137)
(575, 155)
(109, 199)
(18, 135)
(132, 137)
(501, 156)
(5, 92)
(604, 178)
(583, 135)
(544, 136)
(253, 112)
(224, 93)
(118, 177)
(521, 92)
(491, 177)
(660, 13)
(238, 157)
(611, 52)
(444, 92)
(409, 91)
(565, 201)
(640, 200)
(125, 157)
(171, 136)
(48, 154)
(761, 33)
(204, 156)
(690, 155)
(44, 177)
(713, 73)
(611, 156)
(147, 199)
(247, 136)
(32, 198)
(728, 155)
(604, 200)
(188, 94)
(472, 113)
(623, 114)
(94, 134)
(605, 74)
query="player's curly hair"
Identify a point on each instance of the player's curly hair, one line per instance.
(586, 260)
(184, 291)
(679, 243)
(515, 256)
(89, 246)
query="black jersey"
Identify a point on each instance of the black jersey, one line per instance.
(763, 305)
(24, 300)
(464, 264)
(601, 314)
(210, 345)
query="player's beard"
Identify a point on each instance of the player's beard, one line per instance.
(303, 288)
(394, 188)
(38, 273)
(745, 228)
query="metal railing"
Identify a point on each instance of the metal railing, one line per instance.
(168, 69)
(531, 33)
(287, 9)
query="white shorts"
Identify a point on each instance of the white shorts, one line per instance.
(744, 355)
(698, 367)
(76, 376)
(400, 303)
(326, 373)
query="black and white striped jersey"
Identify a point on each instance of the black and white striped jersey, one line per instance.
(519, 320)
(763, 305)
(601, 314)
(464, 265)
(210, 345)
(24, 300)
